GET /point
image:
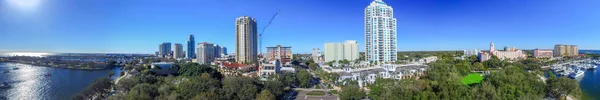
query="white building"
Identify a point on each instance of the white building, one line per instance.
(473, 52)
(316, 54)
(205, 53)
(380, 33)
(340, 51)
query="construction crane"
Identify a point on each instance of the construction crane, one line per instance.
(263, 31)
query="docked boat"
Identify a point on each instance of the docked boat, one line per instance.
(47, 74)
(16, 68)
(577, 73)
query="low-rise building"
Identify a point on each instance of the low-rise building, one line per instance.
(543, 53)
(386, 71)
(509, 54)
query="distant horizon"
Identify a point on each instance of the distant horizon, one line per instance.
(422, 25)
(3, 52)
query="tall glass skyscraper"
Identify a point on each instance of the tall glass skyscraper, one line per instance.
(380, 33)
(191, 54)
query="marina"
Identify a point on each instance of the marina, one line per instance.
(575, 69)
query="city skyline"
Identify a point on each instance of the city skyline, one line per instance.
(61, 26)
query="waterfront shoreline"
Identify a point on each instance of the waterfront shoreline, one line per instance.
(60, 67)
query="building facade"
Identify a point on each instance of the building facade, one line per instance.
(246, 39)
(217, 51)
(164, 50)
(351, 50)
(223, 51)
(473, 52)
(191, 46)
(574, 50)
(380, 33)
(510, 54)
(205, 53)
(281, 53)
(316, 54)
(561, 50)
(178, 51)
(341, 51)
(543, 53)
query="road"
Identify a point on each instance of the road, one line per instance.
(302, 96)
(302, 91)
(118, 79)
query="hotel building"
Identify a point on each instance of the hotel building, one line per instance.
(542, 53)
(511, 54)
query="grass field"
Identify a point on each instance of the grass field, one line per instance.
(472, 79)
(316, 93)
(334, 92)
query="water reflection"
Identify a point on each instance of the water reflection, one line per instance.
(30, 83)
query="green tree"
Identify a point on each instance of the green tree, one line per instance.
(352, 92)
(195, 69)
(313, 66)
(239, 88)
(195, 85)
(563, 86)
(206, 96)
(304, 78)
(274, 87)
(265, 95)
(99, 87)
(142, 91)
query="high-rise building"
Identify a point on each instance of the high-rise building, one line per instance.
(281, 53)
(561, 50)
(340, 51)
(380, 33)
(246, 40)
(316, 54)
(191, 45)
(217, 50)
(205, 53)
(178, 52)
(351, 50)
(223, 51)
(164, 50)
(574, 50)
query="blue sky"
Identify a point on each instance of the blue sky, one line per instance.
(138, 26)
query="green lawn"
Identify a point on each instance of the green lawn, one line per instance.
(472, 79)
(316, 93)
(334, 92)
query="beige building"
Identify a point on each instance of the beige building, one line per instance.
(543, 53)
(178, 52)
(246, 40)
(340, 51)
(561, 50)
